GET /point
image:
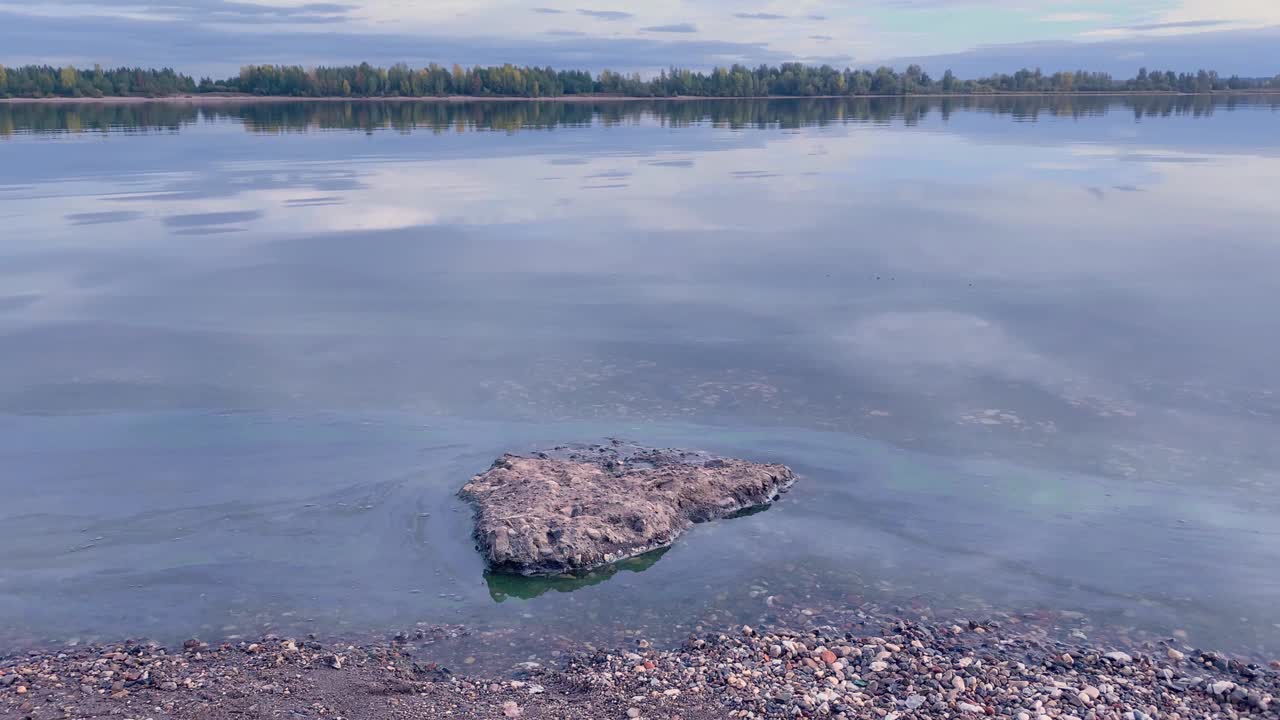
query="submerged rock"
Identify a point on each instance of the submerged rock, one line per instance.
(577, 508)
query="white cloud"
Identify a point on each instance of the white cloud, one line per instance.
(1196, 16)
(1242, 13)
(1075, 17)
(574, 32)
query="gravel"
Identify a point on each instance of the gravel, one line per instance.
(840, 666)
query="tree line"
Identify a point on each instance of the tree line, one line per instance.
(39, 81)
(786, 80)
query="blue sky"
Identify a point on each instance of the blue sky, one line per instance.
(972, 36)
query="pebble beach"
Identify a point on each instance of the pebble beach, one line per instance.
(841, 663)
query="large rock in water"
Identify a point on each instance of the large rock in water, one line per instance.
(577, 508)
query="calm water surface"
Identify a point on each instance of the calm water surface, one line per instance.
(1024, 352)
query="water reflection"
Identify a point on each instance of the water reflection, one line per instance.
(999, 351)
(277, 117)
(97, 218)
(503, 587)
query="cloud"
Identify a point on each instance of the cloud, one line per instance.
(1254, 53)
(609, 15)
(1241, 14)
(1075, 17)
(1176, 25)
(205, 50)
(200, 36)
(832, 60)
(928, 4)
(675, 28)
(229, 11)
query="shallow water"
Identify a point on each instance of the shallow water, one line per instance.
(1022, 351)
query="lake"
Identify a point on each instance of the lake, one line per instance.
(1023, 352)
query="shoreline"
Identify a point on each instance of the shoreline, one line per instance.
(229, 99)
(846, 662)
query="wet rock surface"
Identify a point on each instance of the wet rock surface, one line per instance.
(576, 508)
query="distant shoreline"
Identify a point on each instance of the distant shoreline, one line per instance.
(239, 99)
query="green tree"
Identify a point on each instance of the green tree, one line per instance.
(68, 78)
(885, 81)
(786, 80)
(914, 78)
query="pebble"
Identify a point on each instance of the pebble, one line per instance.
(813, 669)
(1222, 688)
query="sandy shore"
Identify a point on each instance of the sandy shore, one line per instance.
(841, 663)
(214, 99)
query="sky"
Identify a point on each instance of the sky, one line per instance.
(973, 37)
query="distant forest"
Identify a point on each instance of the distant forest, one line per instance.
(786, 80)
